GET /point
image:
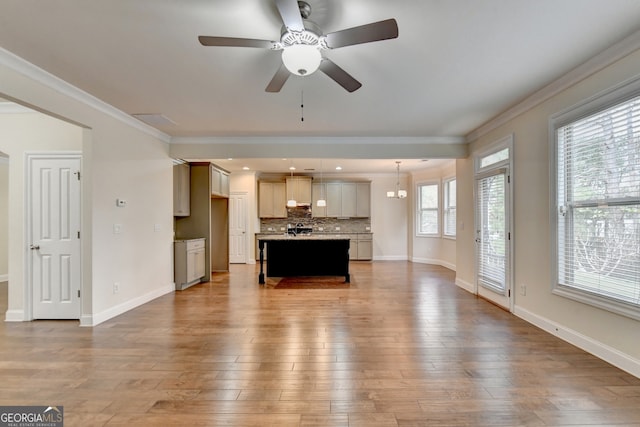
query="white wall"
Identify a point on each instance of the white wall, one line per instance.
(4, 217)
(121, 159)
(611, 336)
(432, 250)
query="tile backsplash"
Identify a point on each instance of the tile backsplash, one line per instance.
(319, 225)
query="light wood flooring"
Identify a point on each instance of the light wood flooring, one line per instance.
(403, 346)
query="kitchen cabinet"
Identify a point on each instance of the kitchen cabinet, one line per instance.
(365, 246)
(189, 258)
(318, 191)
(272, 199)
(299, 189)
(209, 218)
(181, 188)
(219, 182)
(353, 246)
(363, 199)
(360, 246)
(348, 200)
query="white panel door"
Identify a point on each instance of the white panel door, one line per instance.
(54, 232)
(238, 228)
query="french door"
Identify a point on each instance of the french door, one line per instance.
(493, 236)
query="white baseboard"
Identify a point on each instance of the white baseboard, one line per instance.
(391, 258)
(434, 262)
(96, 319)
(466, 286)
(4, 277)
(598, 349)
(14, 316)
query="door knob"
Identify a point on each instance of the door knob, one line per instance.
(34, 247)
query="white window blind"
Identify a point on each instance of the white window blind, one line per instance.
(598, 204)
(492, 231)
(450, 207)
(428, 209)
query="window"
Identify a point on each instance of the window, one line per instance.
(450, 207)
(494, 158)
(597, 205)
(428, 209)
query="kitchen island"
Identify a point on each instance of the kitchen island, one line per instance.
(304, 255)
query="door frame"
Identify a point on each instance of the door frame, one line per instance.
(480, 172)
(28, 210)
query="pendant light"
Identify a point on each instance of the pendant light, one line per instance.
(322, 202)
(291, 203)
(398, 194)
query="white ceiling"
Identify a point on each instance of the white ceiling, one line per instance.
(455, 65)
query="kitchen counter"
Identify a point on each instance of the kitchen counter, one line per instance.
(304, 255)
(281, 236)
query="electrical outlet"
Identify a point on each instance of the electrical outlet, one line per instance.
(117, 228)
(523, 289)
(116, 287)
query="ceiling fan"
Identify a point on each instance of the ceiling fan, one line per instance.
(302, 44)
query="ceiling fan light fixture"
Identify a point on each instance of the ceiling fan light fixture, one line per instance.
(301, 59)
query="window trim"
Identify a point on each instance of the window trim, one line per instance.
(599, 102)
(445, 185)
(438, 209)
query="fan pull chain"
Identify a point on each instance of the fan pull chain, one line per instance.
(302, 106)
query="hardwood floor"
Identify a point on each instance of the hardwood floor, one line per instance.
(403, 346)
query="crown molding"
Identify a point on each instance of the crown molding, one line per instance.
(607, 57)
(31, 71)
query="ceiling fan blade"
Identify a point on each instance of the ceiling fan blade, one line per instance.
(381, 30)
(278, 79)
(339, 75)
(237, 42)
(290, 13)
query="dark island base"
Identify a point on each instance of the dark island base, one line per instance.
(305, 257)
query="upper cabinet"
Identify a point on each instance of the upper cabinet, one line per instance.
(363, 199)
(344, 200)
(272, 199)
(181, 189)
(299, 189)
(318, 191)
(219, 182)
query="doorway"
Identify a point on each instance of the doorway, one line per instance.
(493, 224)
(4, 219)
(238, 228)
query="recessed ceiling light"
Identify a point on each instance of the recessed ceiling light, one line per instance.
(338, 168)
(229, 158)
(245, 168)
(292, 168)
